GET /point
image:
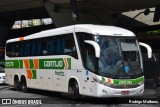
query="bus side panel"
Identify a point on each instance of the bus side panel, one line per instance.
(77, 71)
(9, 73)
(47, 79)
(59, 80)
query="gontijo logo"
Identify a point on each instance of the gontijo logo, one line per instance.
(53, 64)
(56, 63)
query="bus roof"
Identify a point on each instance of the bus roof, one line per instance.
(88, 28)
(103, 30)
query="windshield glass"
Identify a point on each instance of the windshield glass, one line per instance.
(119, 57)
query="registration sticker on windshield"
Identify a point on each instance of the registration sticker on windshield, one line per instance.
(126, 68)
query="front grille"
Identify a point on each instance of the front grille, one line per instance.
(124, 86)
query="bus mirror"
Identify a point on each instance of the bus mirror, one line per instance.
(149, 49)
(96, 47)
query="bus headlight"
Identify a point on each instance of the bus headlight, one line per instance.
(101, 82)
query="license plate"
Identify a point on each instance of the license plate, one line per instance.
(125, 92)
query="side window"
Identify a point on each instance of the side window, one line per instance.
(38, 47)
(90, 57)
(33, 48)
(51, 46)
(57, 43)
(8, 49)
(13, 49)
(22, 49)
(44, 47)
(27, 48)
(68, 45)
(17, 49)
(81, 37)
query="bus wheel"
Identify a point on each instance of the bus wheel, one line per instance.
(74, 90)
(24, 85)
(16, 84)
(157, 91)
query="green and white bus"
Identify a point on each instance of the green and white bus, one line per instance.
(90, 60)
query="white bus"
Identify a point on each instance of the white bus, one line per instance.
(90, 60)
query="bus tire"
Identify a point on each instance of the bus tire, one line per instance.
(74, 90)
(24, 85)
(16, 83)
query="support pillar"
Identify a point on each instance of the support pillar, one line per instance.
(5, 27)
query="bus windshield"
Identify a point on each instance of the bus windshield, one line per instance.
(119, 57)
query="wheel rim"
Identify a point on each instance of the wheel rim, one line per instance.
(23, 85)
(71, 90)
(74, 90)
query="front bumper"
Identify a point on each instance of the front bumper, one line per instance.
(104, 91)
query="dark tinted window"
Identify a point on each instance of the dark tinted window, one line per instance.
(90, 57)
(12, 50)
(81, 37)
(22, 49)
(44, 46)
(68, 46)
(33, 47)
(57, 45)
(27, 48)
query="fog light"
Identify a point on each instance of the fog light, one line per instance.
(104, 91)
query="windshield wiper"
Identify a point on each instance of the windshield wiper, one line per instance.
(118, 70)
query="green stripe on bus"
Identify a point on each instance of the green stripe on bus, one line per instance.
(31, 64)
(12, 64)
(34, 75)
(55, 63)
(21, 63)
(129, 81)
(69, 63)
(103, 79)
